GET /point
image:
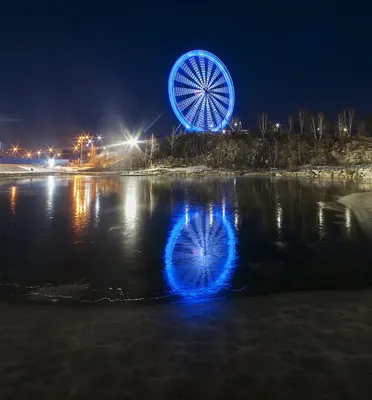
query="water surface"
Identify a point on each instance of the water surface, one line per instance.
(153, 238)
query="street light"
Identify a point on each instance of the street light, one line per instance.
(15, 150)
(38, 153)
(132, 142)
(81, 139)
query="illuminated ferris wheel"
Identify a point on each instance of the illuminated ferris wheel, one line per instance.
(201, 92)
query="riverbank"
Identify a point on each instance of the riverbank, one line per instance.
(318, 172)
(314, 345)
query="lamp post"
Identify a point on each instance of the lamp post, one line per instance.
(81, 141)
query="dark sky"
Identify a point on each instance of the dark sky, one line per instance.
(88, 67)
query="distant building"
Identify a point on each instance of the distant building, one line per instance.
(2, 149)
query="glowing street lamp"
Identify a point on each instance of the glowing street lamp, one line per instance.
(28, 154)
(38, 153)
(99, 138)
(15, 150)
(132, 142)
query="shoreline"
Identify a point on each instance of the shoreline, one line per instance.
(353, 173)
(307, 345)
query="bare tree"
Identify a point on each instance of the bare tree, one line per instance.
(235, 123)
(273, 152)
(152, 146)
(290, 124)
(301, 120)
(313, 126)
(172, 139)
(262, 123)
(341, 123)
(351, 114)
(320, 127)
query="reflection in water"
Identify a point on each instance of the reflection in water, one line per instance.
(279, 216)
(130, 204)
(236, 219)
(83, 194)
(348, 220)
(97, 208)
(200, 254)
(321, 219)
(128, 219)
(13, 198)
(50, 195)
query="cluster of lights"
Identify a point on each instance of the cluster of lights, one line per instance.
(29, 154)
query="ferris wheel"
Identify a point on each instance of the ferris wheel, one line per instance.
(201, 92)
(200, 255)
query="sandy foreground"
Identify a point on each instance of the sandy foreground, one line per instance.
(288, 346)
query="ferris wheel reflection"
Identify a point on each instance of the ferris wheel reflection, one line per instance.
(200, 253)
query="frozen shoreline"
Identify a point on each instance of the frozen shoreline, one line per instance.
(309, 345)
(323, 173)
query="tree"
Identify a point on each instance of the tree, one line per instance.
(301, 120)
(262, 123)
(313, 126)
(341, 123)
(350, 114)
(172, 139)
(236, 123)
(152, 147)
(290, 124)
(320, 128)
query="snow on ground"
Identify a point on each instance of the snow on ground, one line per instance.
(288, 346)
(361, 206)
(19, 169)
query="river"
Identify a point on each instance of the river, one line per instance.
(149, 239)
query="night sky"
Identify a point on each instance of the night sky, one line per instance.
(92, 67)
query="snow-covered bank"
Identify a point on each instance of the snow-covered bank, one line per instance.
(290, 346)
(326, 173)
(361, 206)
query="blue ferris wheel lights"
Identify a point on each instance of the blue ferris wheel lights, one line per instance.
(201, 92)
(200, 255)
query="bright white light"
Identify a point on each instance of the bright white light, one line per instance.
(99, 137)
(345, 129)
(236, 124)
(38, 152)
(89, 141)
(132, 142)
(223, 131)
(51, 162)
(277, 125)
